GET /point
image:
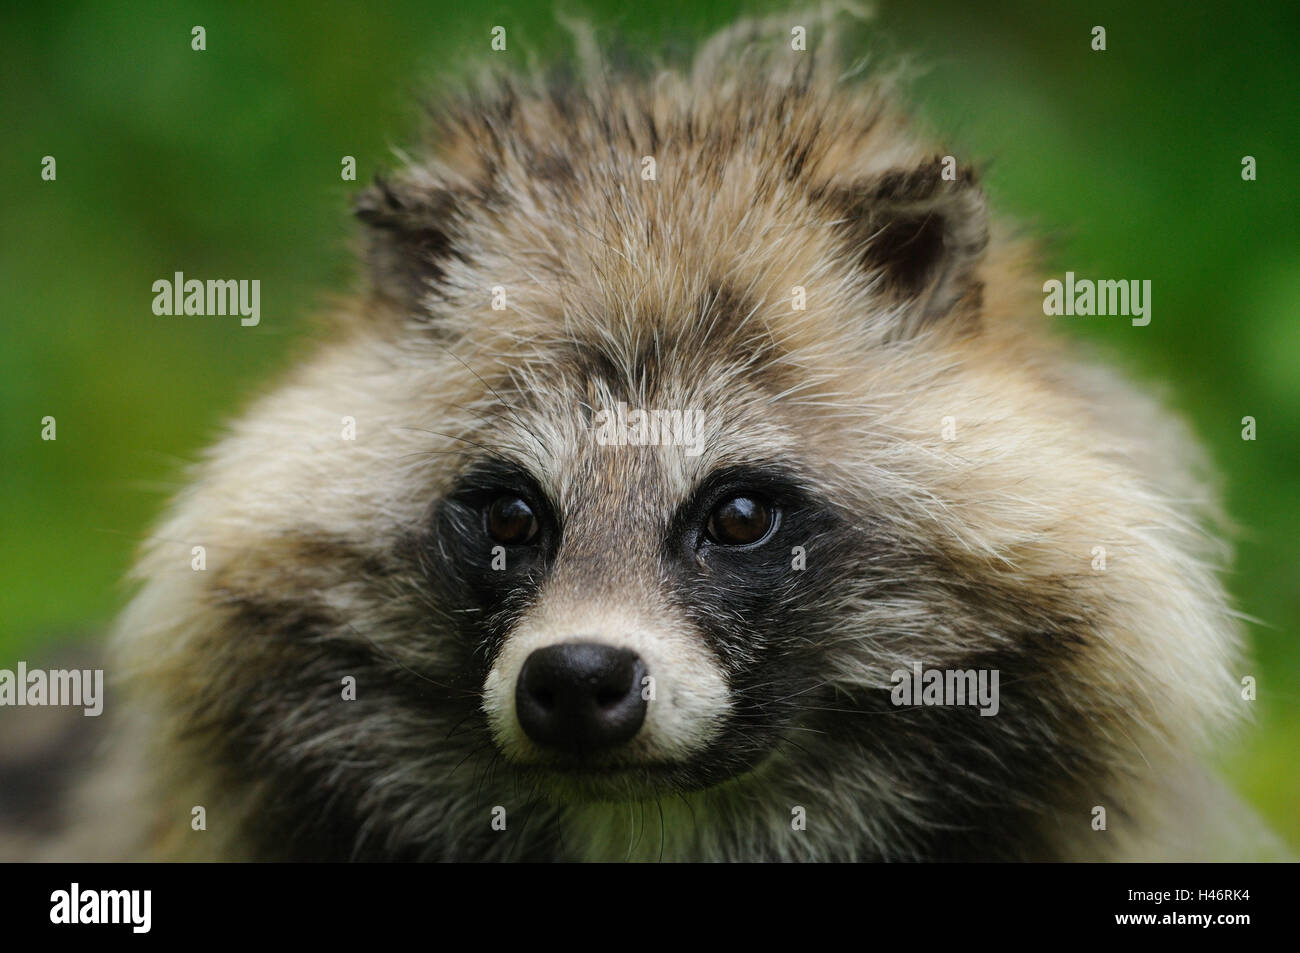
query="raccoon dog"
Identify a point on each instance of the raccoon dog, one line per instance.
(691, 417)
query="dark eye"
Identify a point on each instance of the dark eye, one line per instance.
(510, 520)
(739, 521)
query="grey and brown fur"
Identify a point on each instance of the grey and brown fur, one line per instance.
(329, 558)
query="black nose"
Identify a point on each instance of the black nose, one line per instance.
(580, 696)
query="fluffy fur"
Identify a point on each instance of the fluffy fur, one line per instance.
(329, 558)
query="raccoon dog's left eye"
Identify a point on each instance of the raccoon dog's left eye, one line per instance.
(740, 521)
(510, 520)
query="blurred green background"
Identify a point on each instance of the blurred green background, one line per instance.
(226, 163)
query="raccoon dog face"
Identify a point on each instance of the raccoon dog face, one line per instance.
(642, 628)
(687, 411)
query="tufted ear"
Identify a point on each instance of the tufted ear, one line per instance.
(923, 234)
(409, 240)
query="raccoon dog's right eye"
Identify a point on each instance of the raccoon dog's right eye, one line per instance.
(510, 520)
(740, 521)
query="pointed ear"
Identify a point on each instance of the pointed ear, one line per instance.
(409, 239)
(923, 234)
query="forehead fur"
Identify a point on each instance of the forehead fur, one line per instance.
(612, 207)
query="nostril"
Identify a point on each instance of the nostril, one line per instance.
(607, 697)
(580, 696)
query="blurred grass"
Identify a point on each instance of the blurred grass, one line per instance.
(226, 162)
